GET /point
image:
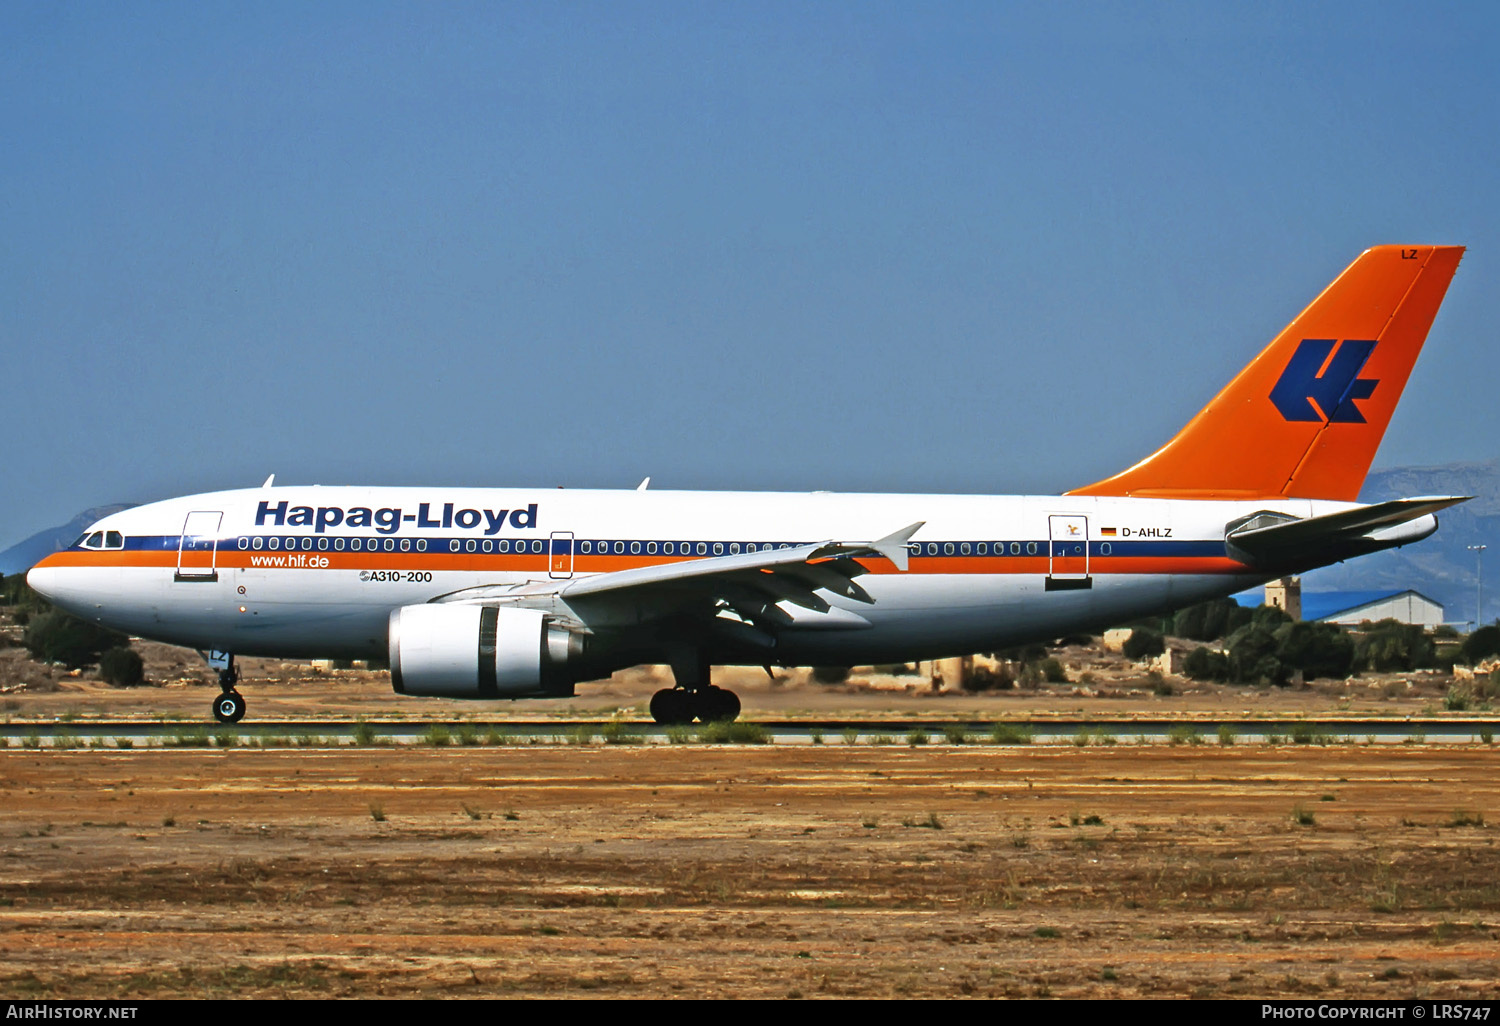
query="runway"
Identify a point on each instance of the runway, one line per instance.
(1081, 731)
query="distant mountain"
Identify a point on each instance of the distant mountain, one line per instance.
(22, 556)
(1441, 567)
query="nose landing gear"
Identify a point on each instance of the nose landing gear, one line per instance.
(229, 707)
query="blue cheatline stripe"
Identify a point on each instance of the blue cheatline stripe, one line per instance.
(1153, 549)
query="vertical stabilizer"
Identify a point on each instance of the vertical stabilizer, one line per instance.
(1305, 417)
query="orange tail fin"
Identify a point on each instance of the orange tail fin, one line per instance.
(1305, 417)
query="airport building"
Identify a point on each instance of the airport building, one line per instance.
(1347, 608)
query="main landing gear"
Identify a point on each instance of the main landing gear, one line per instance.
(694, 698)
(671, 706)
(229, 707)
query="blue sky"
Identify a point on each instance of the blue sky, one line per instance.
(857, 246)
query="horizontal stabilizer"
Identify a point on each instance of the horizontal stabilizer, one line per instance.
(1318, 541)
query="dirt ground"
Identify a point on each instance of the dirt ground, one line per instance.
(777, 871)
(697, 871)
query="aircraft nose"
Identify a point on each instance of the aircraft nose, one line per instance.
(43, 581)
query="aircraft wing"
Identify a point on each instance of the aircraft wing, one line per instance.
(753, 586)
(1269, 541)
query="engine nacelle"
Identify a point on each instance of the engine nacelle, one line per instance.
(460, 651)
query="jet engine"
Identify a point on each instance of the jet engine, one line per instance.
(461, 651)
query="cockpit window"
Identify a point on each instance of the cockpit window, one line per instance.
(93, 540)
(114, 540)
(100, 540)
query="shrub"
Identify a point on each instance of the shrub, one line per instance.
(982, 678)
(1204, 663)
(1052, 671)
(59, 637)
(122, 666)
(1184, 734)
(1483, 643)
(1011, 734)
(830, 674)
(1143, 644)
(618, 732)
(1024, 653)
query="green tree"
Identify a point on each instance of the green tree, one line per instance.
(1391, 645)
(1254, 656)
(1317, 649)
(1211, 620)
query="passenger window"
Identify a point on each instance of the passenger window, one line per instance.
(734, 548)
(273, 543)
(1015, 548)
(421, 544)
(390, 545)
(947, 548)
(651, 548)
(964, 549)
(718, 548)
(667, 547)
(469, 545)
(984, 548)
(619, 548)
(504, 545)
(486, 545)
(405, 544)
(256, 542)
(242, 543)
(586, 547)
(1031, 548)
(635, 548)
(322, 544)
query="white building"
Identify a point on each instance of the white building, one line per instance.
(1350, 608)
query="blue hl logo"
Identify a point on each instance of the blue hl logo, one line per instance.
(1334, 390)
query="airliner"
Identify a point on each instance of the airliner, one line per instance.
(521, 593)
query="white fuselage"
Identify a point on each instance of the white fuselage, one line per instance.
(316, 572)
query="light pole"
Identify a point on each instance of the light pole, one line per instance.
(1478, 551)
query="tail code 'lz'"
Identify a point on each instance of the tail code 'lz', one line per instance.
(1304, 419)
